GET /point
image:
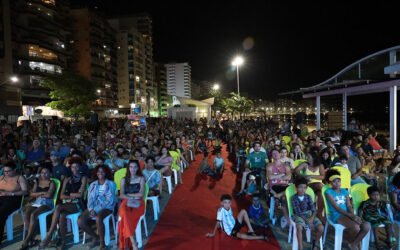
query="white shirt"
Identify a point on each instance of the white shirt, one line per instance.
(102, 189)
(218, 161)
(226, 220)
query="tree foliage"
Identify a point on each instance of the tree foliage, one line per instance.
(237, 104)
(71, 93)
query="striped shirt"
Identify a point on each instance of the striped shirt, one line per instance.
(226, 220)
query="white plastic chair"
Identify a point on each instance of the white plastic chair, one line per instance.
(42, 217)
(156, 205)
(175, 176)
(138, 230)
(290, 191)
(169, 183)
(73, 218)
(10, 222)
(107, 231)
(339, 228)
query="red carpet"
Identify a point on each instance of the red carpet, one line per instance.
(191, 213)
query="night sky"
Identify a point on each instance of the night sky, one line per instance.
(286, 45)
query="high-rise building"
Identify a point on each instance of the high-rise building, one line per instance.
(160, 80)
(33, 44)
(95, 55)
(135, 60)
(179, 79)
(195, 90)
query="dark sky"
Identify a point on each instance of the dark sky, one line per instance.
(296, 44)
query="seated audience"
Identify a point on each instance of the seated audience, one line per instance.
(304, 214)
(374, 212)
(341, 211)
(132, 206)
(101, 202)
(42, 195)
(12, 188)
(72, 191)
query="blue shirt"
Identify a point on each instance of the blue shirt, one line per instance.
(340, 200)
(257, 213)
(37, 155)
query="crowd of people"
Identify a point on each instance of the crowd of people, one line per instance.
(82, 160)
(282, 156)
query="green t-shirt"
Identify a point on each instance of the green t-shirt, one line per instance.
(257, 159)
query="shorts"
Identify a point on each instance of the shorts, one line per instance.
(236, 228)
(279, 188)
(300, 221)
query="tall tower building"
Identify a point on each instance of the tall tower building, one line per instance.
(135, 60)
(33, 44)
(179, 79)
(95, 55)
(160, 80)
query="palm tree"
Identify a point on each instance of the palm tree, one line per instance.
(237, 103)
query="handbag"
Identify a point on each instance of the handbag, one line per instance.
(133, 203)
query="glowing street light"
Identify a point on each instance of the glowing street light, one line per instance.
(99, 91)
(216, 86)
(12, 79)
(237, 61)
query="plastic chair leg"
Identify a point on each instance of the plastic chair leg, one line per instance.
(145, 227)
(156, 206)
(308, 235)
(73, 219)
(272, 210)
(138, 233)
(191, 155)
(291, 229)
(107, 234)
(10, 227)
(338, 237)
(42, 226)
(295, 244)
(169, 183)
(325, 230)
(175, 176)
(365, 241)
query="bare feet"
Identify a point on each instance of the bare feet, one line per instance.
(352, 247)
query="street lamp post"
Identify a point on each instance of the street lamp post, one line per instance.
(237, 61)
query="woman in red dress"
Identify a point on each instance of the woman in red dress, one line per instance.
(132, 206)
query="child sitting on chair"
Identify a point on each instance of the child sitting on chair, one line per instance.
(304, 213)
(373, 210)
(232, 226)
(341, 211)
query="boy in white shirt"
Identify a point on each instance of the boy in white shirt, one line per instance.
(229, 225)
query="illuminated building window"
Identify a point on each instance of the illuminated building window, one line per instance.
(49, 2)
(36, 51)
(45, 67)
